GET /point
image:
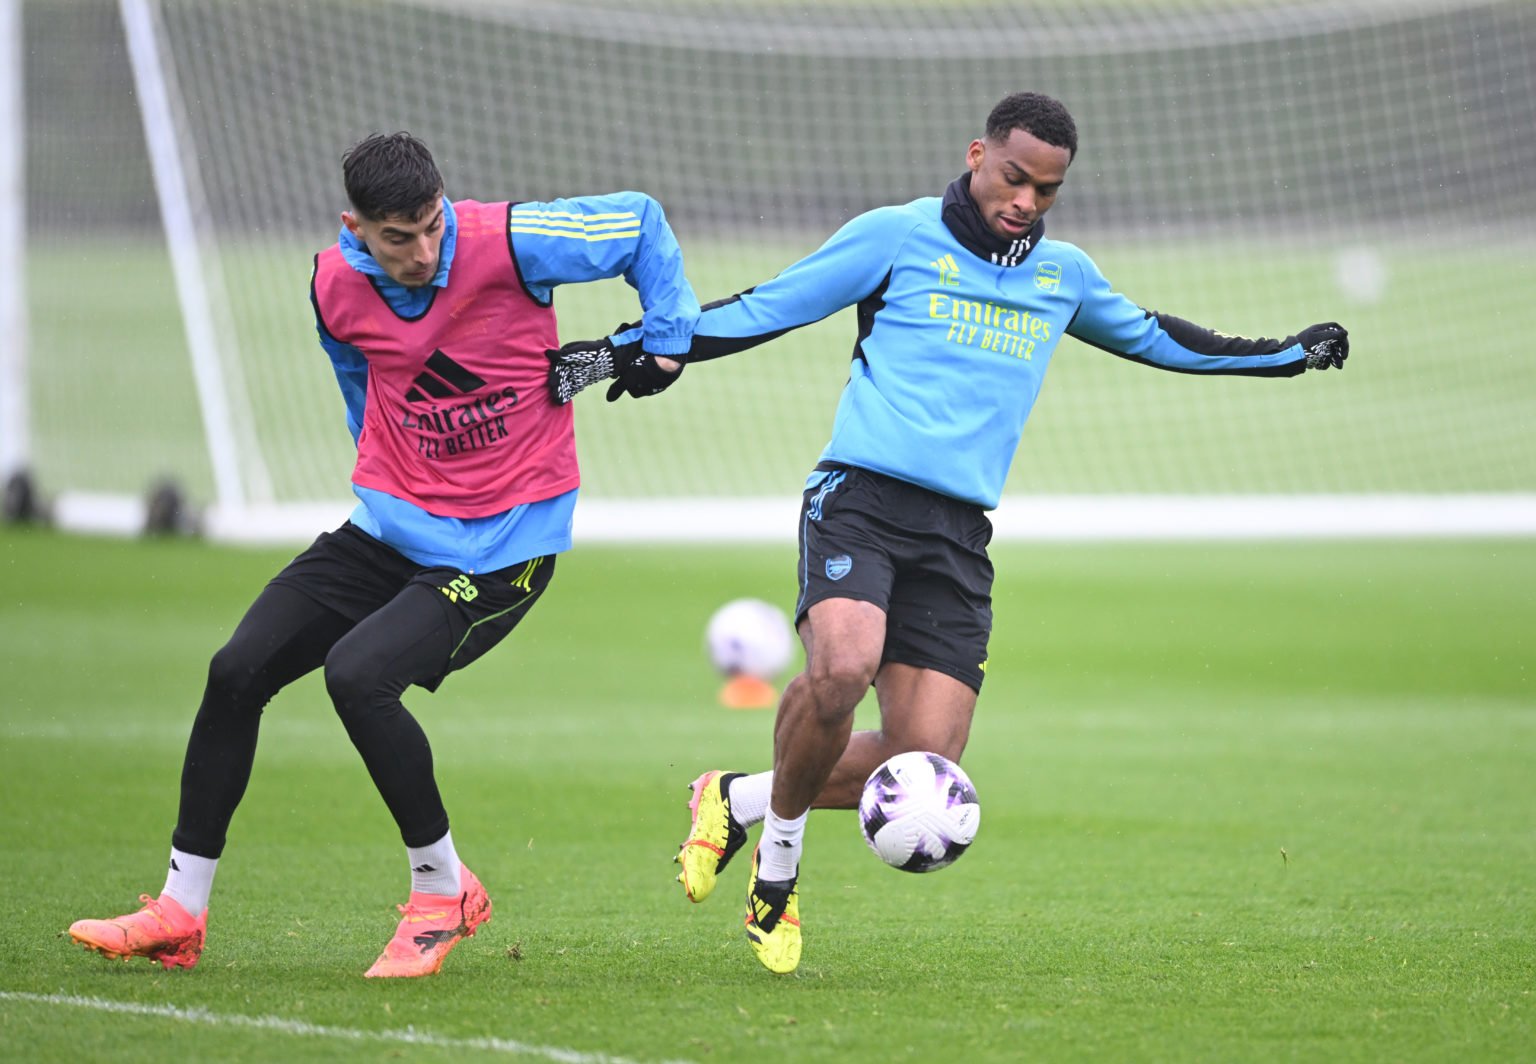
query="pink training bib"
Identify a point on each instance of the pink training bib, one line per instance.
(458, 418)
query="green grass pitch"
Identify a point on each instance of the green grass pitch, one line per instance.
(1252, 802)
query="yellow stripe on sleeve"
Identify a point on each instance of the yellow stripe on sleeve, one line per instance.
(618, 225)
(516, 213)
(552, 223)
(573, 234)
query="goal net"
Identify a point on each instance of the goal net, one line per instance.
(1252, 167)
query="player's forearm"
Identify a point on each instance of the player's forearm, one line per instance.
(1112, 322)
(854, 263)
(725, 327)
(741, 322)
(1168, 342)
(802, 295)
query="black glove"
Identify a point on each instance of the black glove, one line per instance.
(579, 364)
(582, 363)
(640, 376)
(1326, 345)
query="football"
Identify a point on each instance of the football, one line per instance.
(749, 637)
(919, 812)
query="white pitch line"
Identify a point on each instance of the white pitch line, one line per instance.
(299, 1027)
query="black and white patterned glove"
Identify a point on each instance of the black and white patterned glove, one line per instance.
(579, 365)
(1326, 345)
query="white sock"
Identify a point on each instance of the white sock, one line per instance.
(749, 798)
(778, 853)
(435, 868)
(189, 880)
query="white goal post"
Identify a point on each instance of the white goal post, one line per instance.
(15, 430)
(1252, 167)
(198, 275)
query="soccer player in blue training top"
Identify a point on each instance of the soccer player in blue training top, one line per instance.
(961, 303)
(436, 316)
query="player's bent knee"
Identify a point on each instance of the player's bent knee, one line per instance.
(350, 682)
(233, 674)
(836, 691)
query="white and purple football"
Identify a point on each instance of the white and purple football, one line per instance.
(919, 812)
(750, 637)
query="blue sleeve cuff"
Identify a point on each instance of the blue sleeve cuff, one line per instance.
(667, 345)
(629, 336)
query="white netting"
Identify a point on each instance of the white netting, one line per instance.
(1248, 167)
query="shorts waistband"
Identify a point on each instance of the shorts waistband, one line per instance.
(947, 500)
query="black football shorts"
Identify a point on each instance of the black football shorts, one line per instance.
(354, 574)
(918, 555)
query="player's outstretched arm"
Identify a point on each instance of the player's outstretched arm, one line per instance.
(582, 363)
(845, 270)
(1185, 347)
(1109, 321)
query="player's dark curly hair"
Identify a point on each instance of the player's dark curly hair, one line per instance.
(1038, 115)
(391, 174)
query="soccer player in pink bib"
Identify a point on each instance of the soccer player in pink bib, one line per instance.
(436, 316)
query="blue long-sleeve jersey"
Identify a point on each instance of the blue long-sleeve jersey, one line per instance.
(563, 241)
(952, 349)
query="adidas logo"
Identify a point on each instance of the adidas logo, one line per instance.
(949, 270)
(477, 420)
(443, 378)
(422, 868)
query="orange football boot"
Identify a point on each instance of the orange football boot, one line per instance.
(162, 931)
(430, 926)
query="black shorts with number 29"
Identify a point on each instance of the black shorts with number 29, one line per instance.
(918, 555)
(353, 574)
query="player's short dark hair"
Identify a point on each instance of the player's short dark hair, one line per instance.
(1038, 115)
(391, 174)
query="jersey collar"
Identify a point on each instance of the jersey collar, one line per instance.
(356, 253)
(963, 218)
